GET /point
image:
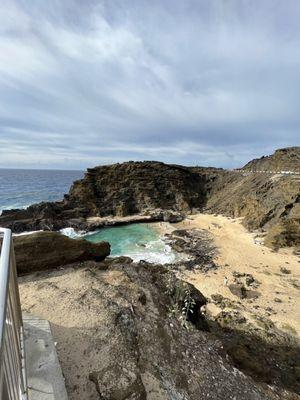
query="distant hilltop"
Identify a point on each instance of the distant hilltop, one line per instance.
(286, 159)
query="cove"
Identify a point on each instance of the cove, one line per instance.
(139, 241)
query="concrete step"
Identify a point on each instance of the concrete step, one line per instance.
(44, 375)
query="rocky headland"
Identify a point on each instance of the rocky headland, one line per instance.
(268, 201)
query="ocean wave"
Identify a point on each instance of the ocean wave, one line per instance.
(154, 252)
(71, 233)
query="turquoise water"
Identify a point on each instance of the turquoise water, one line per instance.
(138, 241)
(125, 238)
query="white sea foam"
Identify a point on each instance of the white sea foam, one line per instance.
(151, 250)
(71, 233)
(156, 252)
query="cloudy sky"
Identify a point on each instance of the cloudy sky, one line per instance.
(193, 82)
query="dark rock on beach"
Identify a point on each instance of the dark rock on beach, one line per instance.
(197, 244)
(46, 250)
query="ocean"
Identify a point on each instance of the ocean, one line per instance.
(20, 188)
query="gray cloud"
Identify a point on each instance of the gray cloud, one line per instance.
(194, 82)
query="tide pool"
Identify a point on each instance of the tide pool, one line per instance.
(138, 241)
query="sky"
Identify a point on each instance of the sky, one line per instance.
(195, 82)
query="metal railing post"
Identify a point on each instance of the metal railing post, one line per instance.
(13, 385)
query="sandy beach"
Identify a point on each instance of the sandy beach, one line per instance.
(238, 250)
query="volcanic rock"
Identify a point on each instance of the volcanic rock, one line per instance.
(45, 250)
(266, 200)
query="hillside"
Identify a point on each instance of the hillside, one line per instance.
(268, 202)
(287, 159)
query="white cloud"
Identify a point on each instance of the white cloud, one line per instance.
(82, 84)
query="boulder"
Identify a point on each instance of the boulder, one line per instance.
(46, 250)
(172, 216)
(238, 290)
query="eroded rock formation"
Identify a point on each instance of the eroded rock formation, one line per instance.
(44, 250)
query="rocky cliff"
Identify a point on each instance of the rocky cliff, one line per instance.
(118, 190)
(270, 202)
(135, 187)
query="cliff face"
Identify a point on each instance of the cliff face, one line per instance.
(118, 190)
(135, 187)
(268, 202)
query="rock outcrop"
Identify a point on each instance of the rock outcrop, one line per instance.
(137, 187)
(287, 159)
(149, 187)
(44, 216)
(44, 250)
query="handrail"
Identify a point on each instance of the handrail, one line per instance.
(13, 385)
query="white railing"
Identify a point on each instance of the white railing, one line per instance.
(12, 353)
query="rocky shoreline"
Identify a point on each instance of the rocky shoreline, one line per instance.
(158, 192)
(197, 244)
